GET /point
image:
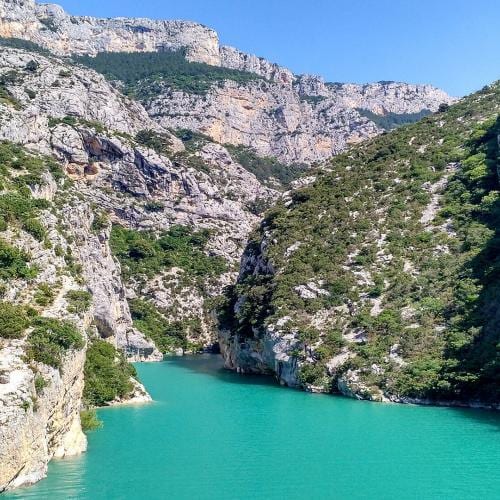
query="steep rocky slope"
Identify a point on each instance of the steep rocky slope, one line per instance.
(51, 27)
(380, 279)
(294, 118)
(134, 173)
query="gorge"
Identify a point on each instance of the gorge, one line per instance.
(161, 193)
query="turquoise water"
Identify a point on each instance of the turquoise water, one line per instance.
(212, 434)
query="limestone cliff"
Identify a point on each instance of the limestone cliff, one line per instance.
(294, 118)
(50, 26)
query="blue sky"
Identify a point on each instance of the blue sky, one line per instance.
(453, 44)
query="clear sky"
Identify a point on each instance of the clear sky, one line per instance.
(453, 44)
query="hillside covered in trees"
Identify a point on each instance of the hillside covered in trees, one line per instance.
(381, 279)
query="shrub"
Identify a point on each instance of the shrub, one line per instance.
(143, 253)
(50, 339)
(312, 374)
(35, 228)
(154, 206)
(107, 374)
(89, 420)
(32, 66)
(79, 301)
(268, 170)
(165, 334)
(44, 295)
(14, 263)
(160, 143)
(13, 320)
(100, 222)
(40, 384)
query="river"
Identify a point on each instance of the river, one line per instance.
(212, 434)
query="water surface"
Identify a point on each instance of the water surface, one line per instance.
(211, 434)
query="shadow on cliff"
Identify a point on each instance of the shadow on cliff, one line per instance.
(213, 365)
(477, 360)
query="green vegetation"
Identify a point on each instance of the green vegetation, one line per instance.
(49, 24)
(145, 74)
(145, 254)
(40, 384)
(76, 121)
(45, 294)
(79, 301)
(100, 221)
(7, 98)
(390, 121)
(165, 334)
(14, 320)
(437, 279)
(20, 170)
(154, 140)
(268, 170)
(193, 141)
(89, 420)
(107, 374)
(14, 263)
(50, 339)
(18, 43)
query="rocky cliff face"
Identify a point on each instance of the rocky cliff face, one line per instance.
(74, 114)
(293, 118)
(40, 404)
(50, 26)
(35, 428)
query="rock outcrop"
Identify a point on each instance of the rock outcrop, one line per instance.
(50, 26)
(37, 427)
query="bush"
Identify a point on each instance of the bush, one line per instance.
(143, 253)
(79, 301)
(35, 228)
(107, 374)
(268, 170)
(89, 420)
(32, 66)
(50, 339)
(160, 143)
(14, 263)
(45, 295)
(100, 222)
(13, 320)
(312, 374)
(166, 335)
(40, 384)
(154, 206)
